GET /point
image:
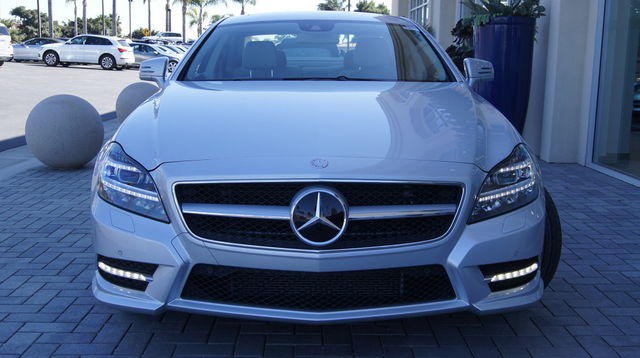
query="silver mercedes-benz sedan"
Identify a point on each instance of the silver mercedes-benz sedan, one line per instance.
(320, 167)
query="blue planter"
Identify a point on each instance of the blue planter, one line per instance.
(508, 43)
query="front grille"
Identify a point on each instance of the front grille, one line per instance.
(318, 291)
(278, 233)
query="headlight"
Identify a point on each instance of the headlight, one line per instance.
(123, 182)
(513, 183)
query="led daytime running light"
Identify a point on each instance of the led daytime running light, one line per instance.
(130, 168)
(516, 167)
(123, 273)
(515, 274)
(502, 193)
(137, 194)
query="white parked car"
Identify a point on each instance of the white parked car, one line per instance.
(107, 51)
(165, 37)
(6, 50)
(29, 50)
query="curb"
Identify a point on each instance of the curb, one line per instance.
(15, 142)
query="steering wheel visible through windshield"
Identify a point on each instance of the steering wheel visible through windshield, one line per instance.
(316, 50)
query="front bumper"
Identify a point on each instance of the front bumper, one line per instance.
(514, 236)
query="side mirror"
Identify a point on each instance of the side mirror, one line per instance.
(478, 71)
(154, 70)
(156, 52)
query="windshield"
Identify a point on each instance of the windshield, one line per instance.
(169, 49)
(316, 50)
(4, 31)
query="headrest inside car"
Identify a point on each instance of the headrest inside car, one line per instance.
(372, 52)
(259, 55)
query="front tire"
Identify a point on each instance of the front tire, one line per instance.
(107, 62)
(552, 241)
(51, 59)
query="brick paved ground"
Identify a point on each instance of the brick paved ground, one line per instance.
(46, 309)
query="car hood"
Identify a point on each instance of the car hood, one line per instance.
(191, 121)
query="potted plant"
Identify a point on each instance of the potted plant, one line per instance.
(462, 46)
(504, 35)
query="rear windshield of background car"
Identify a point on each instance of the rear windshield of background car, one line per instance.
(4, 31)
(317, 50)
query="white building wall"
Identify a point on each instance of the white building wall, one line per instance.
(569, 78)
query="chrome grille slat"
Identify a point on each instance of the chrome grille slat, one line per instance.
(238, 211)
(283, 212)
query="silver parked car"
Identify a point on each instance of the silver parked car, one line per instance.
(29, 49)
(320, 167)
(145, 51)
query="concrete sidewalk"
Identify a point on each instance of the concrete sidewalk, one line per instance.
(591, 309)
(26, 84)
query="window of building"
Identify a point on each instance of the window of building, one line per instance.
(617, 130)
(419, 12)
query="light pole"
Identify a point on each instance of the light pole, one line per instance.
(114, 22)
(51, 19)
(104, 24)
(39, 20)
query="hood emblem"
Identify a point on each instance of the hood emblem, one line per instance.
(318, 216)
(319, 163)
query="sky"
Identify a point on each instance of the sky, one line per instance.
(63, 11)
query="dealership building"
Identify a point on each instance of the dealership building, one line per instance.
(584, 105)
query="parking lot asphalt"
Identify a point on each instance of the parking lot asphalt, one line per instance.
(591, 309)
(23, 85)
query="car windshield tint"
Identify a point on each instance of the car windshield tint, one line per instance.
(4, 31)
(316, 50)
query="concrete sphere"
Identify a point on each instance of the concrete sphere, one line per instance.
(64, 131)
(132, 96)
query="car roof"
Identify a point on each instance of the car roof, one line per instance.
(315, 15)
(102, 36)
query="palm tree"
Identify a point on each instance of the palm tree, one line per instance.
(84, 16)
(149, 13)
(245, 2)
(75, 16)
(185, 4)
(50, 19)
(198, 15)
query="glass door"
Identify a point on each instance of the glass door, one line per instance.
(617, 130)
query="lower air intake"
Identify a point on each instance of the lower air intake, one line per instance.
(318, 291)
